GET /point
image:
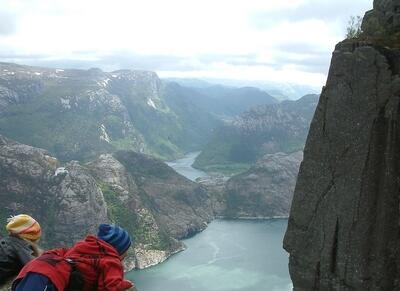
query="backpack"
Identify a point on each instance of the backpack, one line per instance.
(76, 280)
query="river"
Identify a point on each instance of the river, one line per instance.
(230, 255)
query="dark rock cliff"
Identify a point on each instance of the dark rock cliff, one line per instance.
(343, 231)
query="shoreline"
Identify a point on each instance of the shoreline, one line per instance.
(252, 218)
(193, 155)
(215, 218)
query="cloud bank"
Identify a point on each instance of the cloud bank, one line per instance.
(259, 40)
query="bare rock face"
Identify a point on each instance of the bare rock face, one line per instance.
(180, 206)
(7, 97)
(68, 205)
(383, 19)
(80, 205)
(343, 231)
(153, 202)
(266, 190)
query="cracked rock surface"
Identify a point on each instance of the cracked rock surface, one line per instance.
(343, 231)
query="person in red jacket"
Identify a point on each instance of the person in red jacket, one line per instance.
(92, 264)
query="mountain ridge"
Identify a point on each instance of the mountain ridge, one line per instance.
(78, 114)
(273, 128)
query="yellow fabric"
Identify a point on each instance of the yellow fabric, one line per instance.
(24, 226)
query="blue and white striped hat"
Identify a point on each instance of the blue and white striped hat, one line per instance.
(115, 236)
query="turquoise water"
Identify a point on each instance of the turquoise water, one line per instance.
(230, 255)
(227, 256)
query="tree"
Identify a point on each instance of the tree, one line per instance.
(354, 27)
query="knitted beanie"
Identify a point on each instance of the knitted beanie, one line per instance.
(24, 226)
(115, 236)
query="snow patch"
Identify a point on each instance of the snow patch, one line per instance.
(37, 73)
(104, 135)
(103, 83)
(60, 171)
(150, 102)
(114, 76)
(59, 70)
(65, 103)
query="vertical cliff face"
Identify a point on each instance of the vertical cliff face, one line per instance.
(343, 231)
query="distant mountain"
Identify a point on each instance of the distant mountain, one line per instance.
(196, 123)
(280, 91)
(78, 114)
(266, 129)
(226, 102)
(189, 82)
(229, 101)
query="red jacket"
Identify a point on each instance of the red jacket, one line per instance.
(97, 260)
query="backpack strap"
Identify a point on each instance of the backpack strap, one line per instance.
(76, 281)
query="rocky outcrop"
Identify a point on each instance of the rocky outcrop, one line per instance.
(142, 194)
(383, 20)
(343, 231)
(71, 204)
(266, 190)
(180, 205)
(161, 205)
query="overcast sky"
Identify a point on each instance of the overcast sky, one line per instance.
(265, 40)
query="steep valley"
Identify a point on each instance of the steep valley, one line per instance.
(140, 193)
(82, 147)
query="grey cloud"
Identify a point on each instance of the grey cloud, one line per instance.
(315, 9)
(127, 60)
(311, 61)
(300, 48)
(8, 24)
(312, 58)
(121, 60)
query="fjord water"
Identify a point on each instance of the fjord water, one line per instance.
(230, 255)
(227, 256)
(184, 167)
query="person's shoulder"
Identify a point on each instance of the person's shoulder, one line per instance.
(16, 243)
(9, 240)
(10, 244)
(109, 259)
(16, 240)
